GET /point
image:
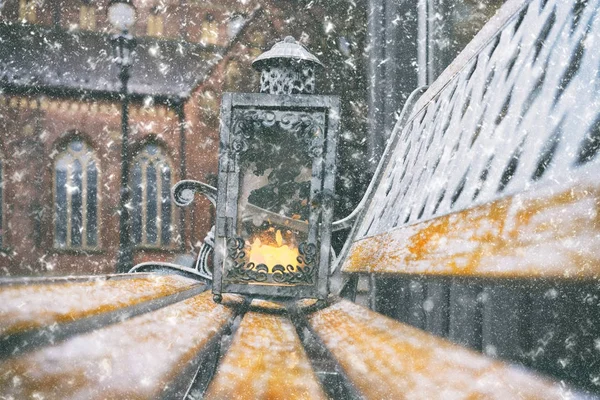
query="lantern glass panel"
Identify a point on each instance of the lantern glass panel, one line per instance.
(277, 150)
(273, 174)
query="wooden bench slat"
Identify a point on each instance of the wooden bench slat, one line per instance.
(266, 360)
(28, 307)
(140, 358)
(47, 280)
(385, 359)
(552, 232)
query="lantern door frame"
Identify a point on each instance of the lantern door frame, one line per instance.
(323, 152)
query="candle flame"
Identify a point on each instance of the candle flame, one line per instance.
(265, 250)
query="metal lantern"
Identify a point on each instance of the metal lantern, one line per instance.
(276, 181)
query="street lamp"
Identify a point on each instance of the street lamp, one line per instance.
(121, 15)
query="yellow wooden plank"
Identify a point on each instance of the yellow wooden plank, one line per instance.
(385, 359)
(544, 233)
(135, 359)
(265, 361)
(266, 305)
(32, 306)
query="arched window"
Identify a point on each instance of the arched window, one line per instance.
(87, 16)
(27, 11)
(210, 30)
(151, 187)
(155, 23)
(76, 197)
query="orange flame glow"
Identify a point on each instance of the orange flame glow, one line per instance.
(265, 250)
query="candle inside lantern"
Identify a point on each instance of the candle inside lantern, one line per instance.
(271, 248)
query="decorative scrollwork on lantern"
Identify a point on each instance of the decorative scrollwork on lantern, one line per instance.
(281, 80)
(306, 127)
(241, 271)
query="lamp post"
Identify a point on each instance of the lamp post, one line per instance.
(121, 15)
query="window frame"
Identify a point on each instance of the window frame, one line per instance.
(163, 158)
(87, 16)
(65, 150)
(28, 11)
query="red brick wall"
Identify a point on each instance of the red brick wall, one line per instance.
(182, 19)
(32, 127)
(31, 131)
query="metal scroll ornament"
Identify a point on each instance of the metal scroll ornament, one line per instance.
(302, 273)
(306, 131)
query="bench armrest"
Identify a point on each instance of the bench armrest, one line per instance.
(351, 221)
(183, 192)
(170, 268)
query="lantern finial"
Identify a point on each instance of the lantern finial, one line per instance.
(288, 68)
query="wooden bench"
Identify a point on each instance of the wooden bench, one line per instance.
(482, 224)
(162, 337)
(486, 195)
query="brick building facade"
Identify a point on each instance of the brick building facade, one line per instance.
(60, 133)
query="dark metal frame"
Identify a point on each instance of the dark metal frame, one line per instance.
(321, 197)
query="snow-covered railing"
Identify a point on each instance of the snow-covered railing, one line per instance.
(518, 110)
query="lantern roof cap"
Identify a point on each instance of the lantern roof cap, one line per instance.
(287, 50)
